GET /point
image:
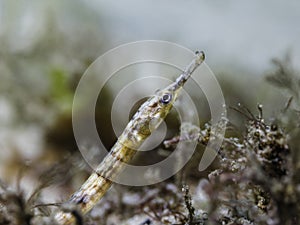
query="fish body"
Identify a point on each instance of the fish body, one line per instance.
(148, 117)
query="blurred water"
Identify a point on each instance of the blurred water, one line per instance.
(243, 33)
(247, 33)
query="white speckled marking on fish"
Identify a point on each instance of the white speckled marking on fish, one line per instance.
(148, 117)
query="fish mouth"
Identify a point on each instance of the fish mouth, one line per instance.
(187, 73)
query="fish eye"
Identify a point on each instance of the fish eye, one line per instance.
(166, 98)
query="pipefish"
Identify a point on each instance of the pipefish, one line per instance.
(147, 118)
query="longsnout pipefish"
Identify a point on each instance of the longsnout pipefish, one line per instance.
(147, 118)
